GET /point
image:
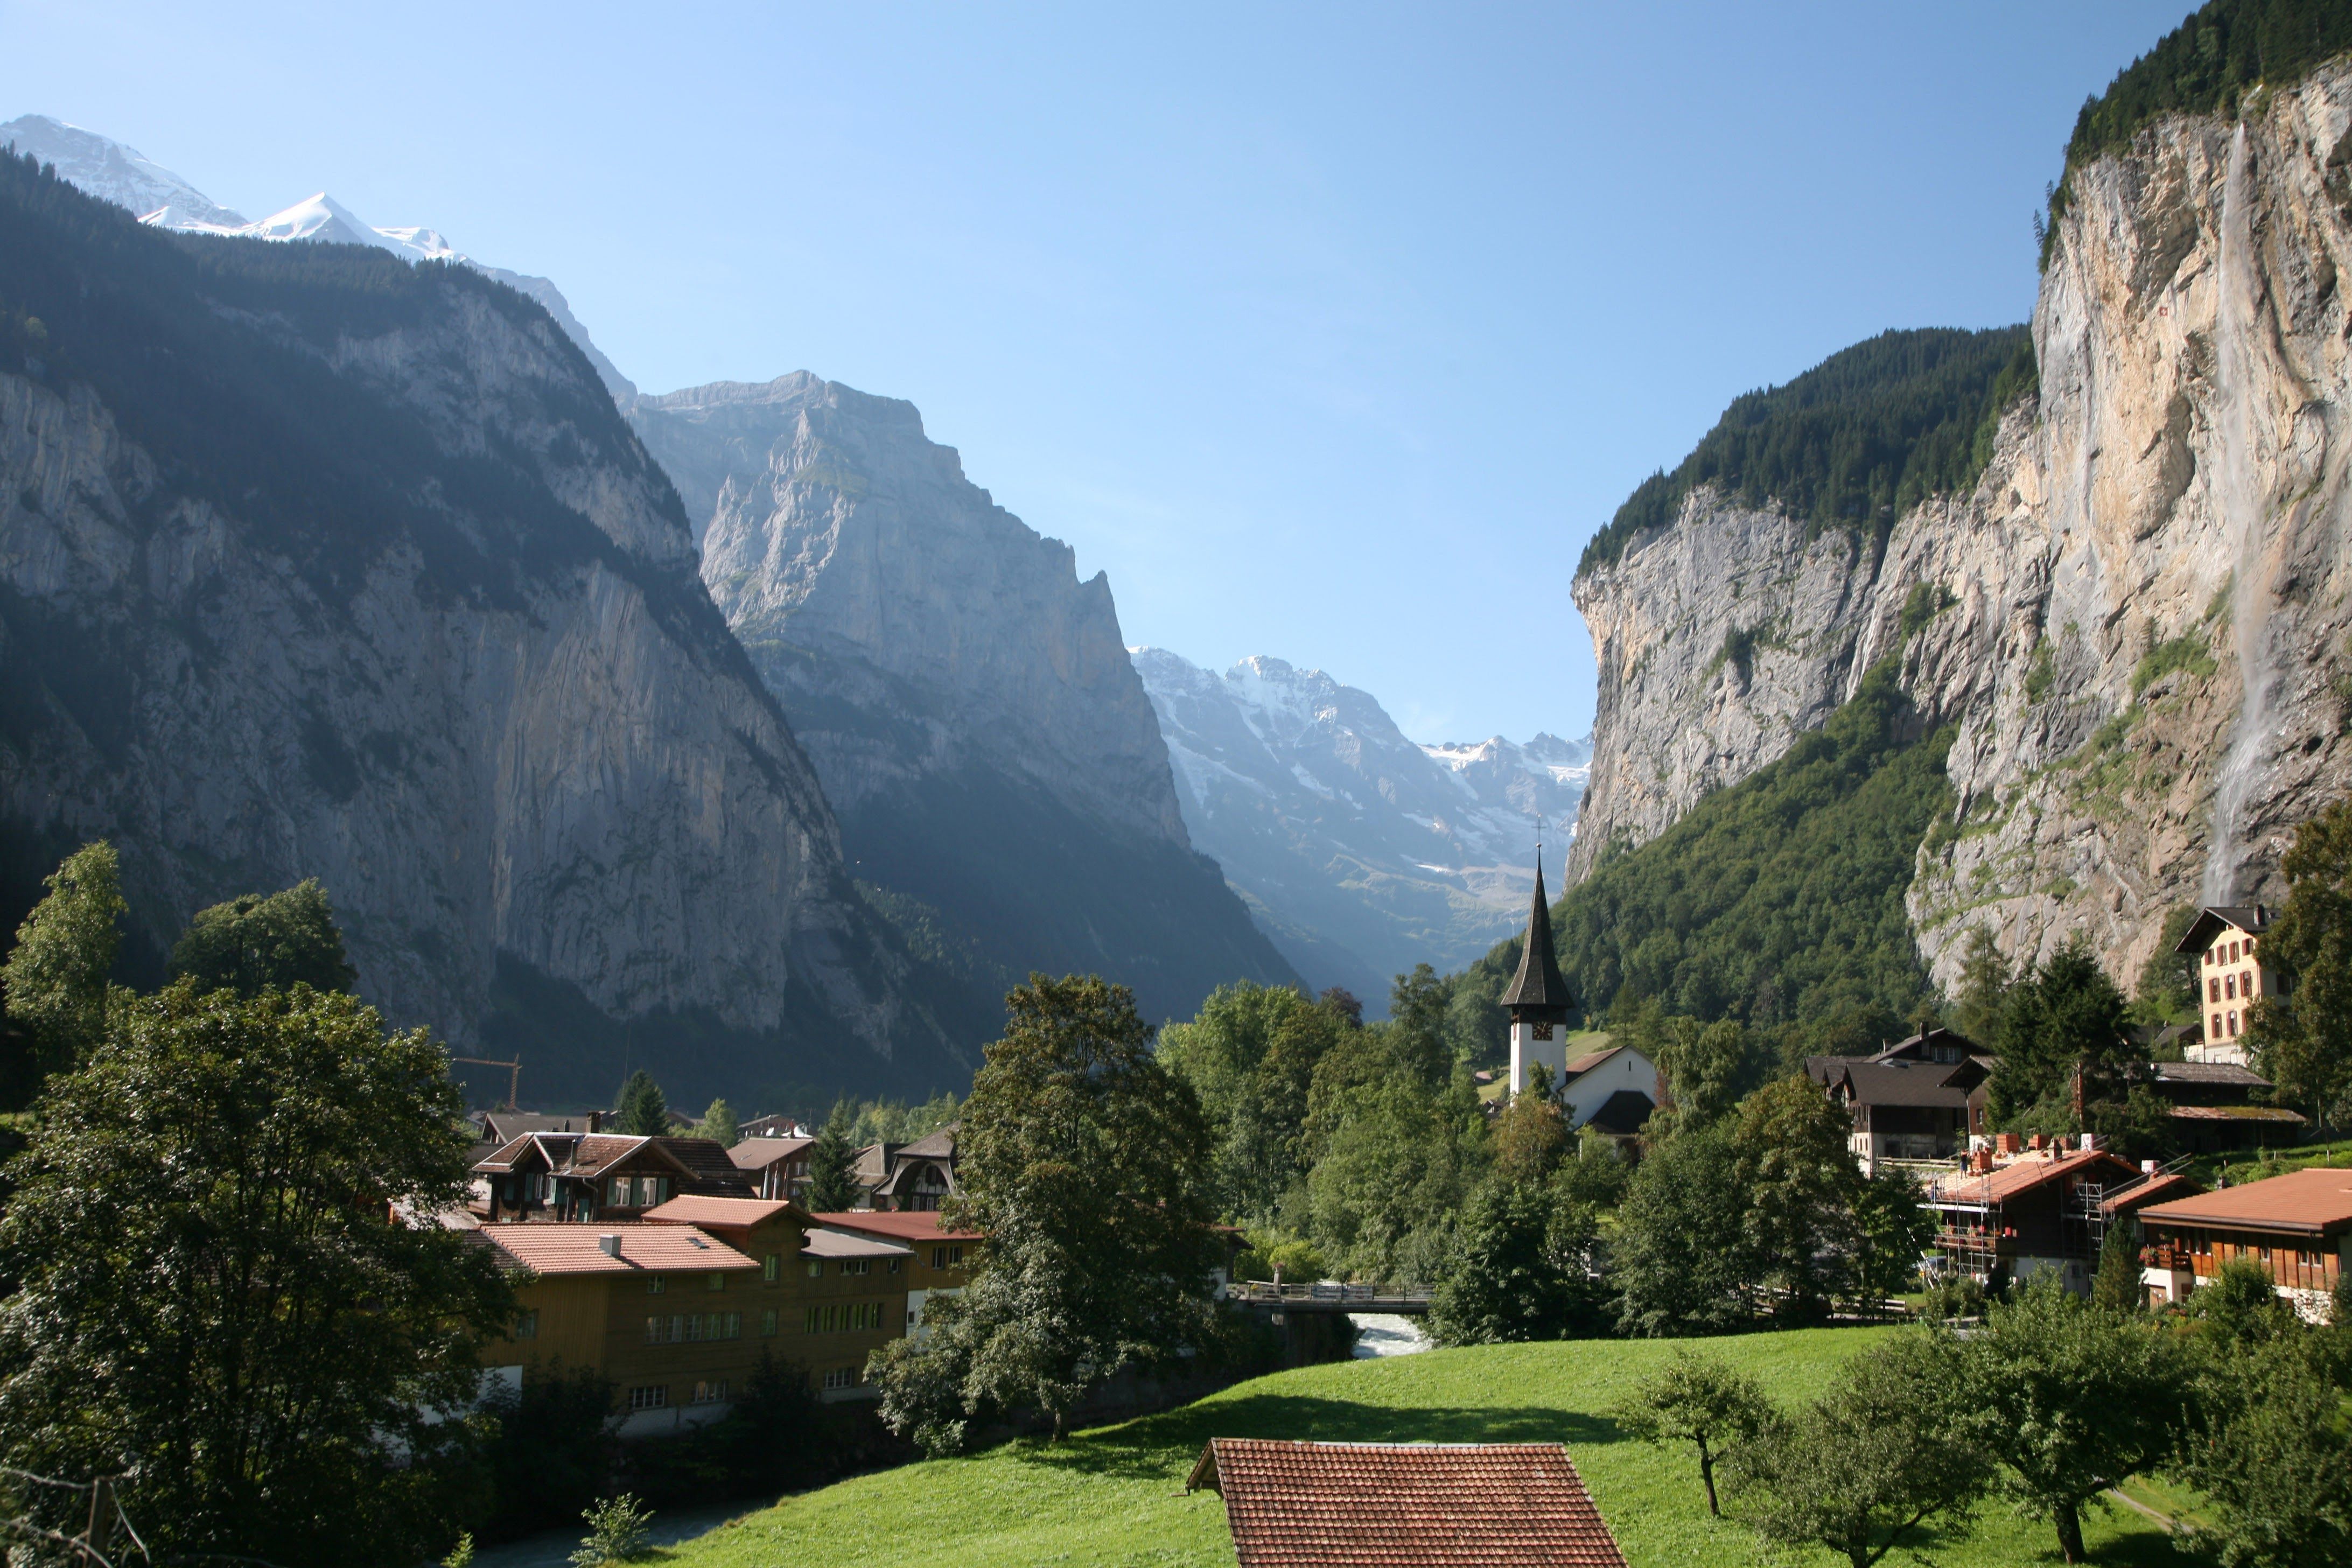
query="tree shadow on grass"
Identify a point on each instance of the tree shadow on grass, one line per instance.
(1166, 1446)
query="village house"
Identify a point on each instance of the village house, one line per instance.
(2297, 1227)
(832, 1298)
(776, 1167)
(2224, 940)
(941, 1257)
(1404, 1505)
(2018, 1213)
(914, 1177)
(658, 1309)
(2213, 1108)
(590, 1178)
(1920, 1098)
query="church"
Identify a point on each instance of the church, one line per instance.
(1614, 1088)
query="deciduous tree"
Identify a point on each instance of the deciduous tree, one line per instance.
(2074, 1401)
(1086, 1163)
(56, 973)
(213, 1295)
(2303, 1042)
(256, 940)
(1702, 1400)
(1679, 1258)
(1886, 1453)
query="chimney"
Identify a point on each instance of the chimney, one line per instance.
(2034, 1142)
(609, 1244)
(595, 1120)
(2006, 1143)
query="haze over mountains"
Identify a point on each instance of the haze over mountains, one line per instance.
(986, 755)
(1361, 851)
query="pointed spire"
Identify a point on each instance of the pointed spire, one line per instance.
(1538, 990)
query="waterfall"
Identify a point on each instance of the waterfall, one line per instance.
(2237, 497)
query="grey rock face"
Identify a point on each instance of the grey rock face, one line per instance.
(1362, 852)
(2144, 658)
(553, 806)
(966, 699)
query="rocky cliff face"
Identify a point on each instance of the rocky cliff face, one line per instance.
(1362, 852)
(966, 698)
(318, 564)
(2135, 621)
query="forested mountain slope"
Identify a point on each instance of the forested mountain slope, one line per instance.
(316, 562)
(2135, 618)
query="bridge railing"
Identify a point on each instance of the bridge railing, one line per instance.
(1260, 1293)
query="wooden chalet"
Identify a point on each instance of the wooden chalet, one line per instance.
(941, 1259)
(2213, 1108)
(776, 1167)
(594, 1177)
(1920, 1098)
(2038, 1212)
(2297, 1227)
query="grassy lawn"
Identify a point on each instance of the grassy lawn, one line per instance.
(1115, 1496)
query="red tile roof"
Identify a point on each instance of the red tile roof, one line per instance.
(732, 1213)
(2314, 1200)
(2140, 1194)
(2022, 1175)
(922, 1226)
(564, 1249)
(1405, 1505)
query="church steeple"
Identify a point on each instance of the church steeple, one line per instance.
(1538, 999)
(1537, 991)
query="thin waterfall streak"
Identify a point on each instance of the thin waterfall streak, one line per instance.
(2241, 507)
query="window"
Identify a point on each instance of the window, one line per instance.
(2217, 1026)
(710, 1393)
(526, 1326)
(894, 1266)
(2234, 1023)
(2229, 987)
(816, 1268)
(842, 1378)
(2212, 989)
(657, 1285)
(857, 1265)
(714, 1281)
(619, 1195)
(816, 1316)
(947, 1257)
(654, 1398)
(2233, 952)
(768, 1323)
(768, 1268)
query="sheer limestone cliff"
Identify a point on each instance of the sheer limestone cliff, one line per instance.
(313, 564)
(2136, 618)
(966, 698)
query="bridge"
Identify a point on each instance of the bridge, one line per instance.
(1404, 1300)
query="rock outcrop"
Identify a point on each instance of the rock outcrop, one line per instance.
(2135, 622)
(315, 563)
(1361, 852)
(966, 698)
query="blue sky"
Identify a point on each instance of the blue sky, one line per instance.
(1329, 333)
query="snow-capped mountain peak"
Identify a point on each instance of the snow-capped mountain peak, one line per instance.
(112, 172)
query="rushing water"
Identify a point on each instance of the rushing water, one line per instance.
(2237, 493)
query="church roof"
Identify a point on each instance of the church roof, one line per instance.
(1538, 986)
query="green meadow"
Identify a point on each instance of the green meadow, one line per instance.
(1115, 1496)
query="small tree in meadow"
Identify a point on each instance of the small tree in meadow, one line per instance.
(1701, 1400)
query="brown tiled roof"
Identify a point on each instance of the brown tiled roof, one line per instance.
(2317, 1199)
(707, 1167)
(2163, 1187)
(1899, 1081)
(1587, 1062)
(2022, 1175)
(734, 1214)
(561, 1250)
(1405, 1505)
(600, 1151)
(898, 1227)
(758, 1153)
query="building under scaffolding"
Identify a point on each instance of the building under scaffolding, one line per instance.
(2041, 1211)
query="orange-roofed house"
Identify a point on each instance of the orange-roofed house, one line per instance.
(2038, 1214)
(1404, 1505)
(662, 1311)
(2297, 1227)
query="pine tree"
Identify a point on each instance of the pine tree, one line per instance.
(642, 1112)
(832, 1188)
